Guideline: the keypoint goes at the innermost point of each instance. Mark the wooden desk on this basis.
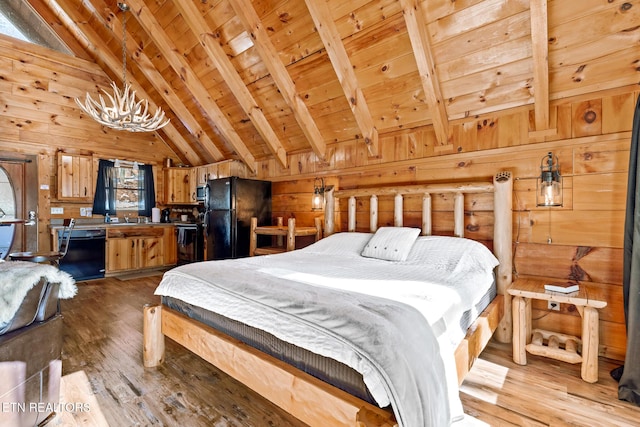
(587, 300)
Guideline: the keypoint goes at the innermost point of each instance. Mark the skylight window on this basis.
(19, 20)
(7, 27)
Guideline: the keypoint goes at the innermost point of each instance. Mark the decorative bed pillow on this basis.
(453, 254)
(344, 244)
(391, 243)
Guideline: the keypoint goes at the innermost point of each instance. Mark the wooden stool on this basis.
(290, 231)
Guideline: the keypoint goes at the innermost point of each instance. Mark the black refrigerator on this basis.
(230, 203)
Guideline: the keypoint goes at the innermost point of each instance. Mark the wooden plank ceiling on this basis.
(261, 79)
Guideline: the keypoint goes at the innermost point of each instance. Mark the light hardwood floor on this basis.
(103, 340)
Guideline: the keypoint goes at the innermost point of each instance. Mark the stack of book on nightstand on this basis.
(564, 288)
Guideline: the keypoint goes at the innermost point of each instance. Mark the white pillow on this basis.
(451, 254)
(391, 243)
(343, 244)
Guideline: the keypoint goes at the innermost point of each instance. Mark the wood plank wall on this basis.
(582, 240)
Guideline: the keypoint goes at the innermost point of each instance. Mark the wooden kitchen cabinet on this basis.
(223, 169)
(151, 252)
(139, 247)
(205, 173)
(120, 254)
(170, 246)
(227, 168)
(180, 186)
(75, 177)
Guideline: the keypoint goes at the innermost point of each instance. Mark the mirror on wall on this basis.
(7, 211)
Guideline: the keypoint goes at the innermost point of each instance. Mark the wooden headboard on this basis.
(502, 189)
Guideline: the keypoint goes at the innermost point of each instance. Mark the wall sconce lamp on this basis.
(549, 183)
(318, 200)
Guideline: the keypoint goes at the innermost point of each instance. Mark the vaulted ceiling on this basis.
(261, 79)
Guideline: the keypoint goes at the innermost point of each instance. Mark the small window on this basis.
(124, 189)
(129, 186)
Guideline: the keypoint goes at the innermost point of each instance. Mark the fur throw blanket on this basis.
(18, 277)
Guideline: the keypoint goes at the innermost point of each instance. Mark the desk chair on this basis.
(52, 257)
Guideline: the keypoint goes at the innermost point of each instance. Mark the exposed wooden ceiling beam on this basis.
(191, 80)
(330, 36)
(421, 44)
(165, 90)
(267, 51)
(540, 53)
(70, 17)
(211, 45)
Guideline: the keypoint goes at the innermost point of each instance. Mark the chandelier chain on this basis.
(124, 8)
(120, 110)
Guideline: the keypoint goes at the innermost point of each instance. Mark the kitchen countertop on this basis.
(12, 221)
(101, 225)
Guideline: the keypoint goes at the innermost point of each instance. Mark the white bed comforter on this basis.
(345, 304)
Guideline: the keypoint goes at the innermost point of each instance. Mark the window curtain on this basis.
(104, 199)
(629, 374)
(147, 193)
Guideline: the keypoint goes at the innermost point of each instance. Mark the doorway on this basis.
(19, 198)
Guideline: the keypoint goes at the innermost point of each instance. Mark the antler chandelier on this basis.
(123, 111)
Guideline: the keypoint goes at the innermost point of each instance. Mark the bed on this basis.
(358, 300)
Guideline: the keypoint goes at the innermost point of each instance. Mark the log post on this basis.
(352, 214)
(373, 213)
(458, 215)
(318, 224)
(291, 234)
(153, 338)
(253, 238)
(520, 337)
(426, 215)
(502, 246)
(279, 240)
(590, 341)
(397, 210)
(329, 213)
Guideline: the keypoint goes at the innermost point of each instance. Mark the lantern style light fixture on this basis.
(318, 200)
(123, 111)
(549, 183)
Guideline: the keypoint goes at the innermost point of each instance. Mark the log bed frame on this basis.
(305, 397)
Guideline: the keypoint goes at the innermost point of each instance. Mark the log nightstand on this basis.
(587, 300)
